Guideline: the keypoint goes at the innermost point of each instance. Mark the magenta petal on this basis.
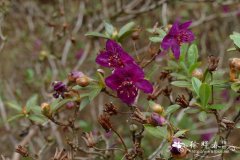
(176, 51)
(113, 46)
(125, 57)
(113, 81)
(102, 59)
(145, 86)
(167, 42)
(185, 25)
(174, 29)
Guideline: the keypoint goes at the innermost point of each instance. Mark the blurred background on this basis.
(43, 40)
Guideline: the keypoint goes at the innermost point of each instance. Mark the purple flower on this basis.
(59, 88)
(127, 81)
(178, 34)
(114, 56)
(157, 119)
(176, 146)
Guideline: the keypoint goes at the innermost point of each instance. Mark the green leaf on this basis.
(14, 106)
(126, 29)
(237, 125)
(171, 109)
(180, 133)
(183, 51)
(15, 117)
(184, 67)
(56, 105)
(216, 106)
(196, 84)
(150, 74)
(31, 102)
(202, 116)
(84, 102)
(184, 84)
(37, 118)
(109, 28)
(193, 67)
(151, 103)
(219, 83)
(204, 93)
(158, 132)
(86, 126)
(155, 39)
(97, 34)
(37, 110)
(192, 55)
(97, 89)
(231, 49)
(236, 38)
(179, 76)
(191, 111)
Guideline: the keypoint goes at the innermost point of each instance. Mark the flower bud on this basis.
(74, 75)
(212, 63)
(70, 105)
(45, 107)
(157, 108)
(197, 73)
(24, 110)
(135, 35)
(114, 34)
(83, 81)
(133, 127)
(157, 120)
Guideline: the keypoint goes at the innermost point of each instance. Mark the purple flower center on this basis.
(127, 87)
(181, 37)
(115, 61)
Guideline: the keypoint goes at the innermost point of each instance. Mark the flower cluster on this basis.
(127, 77)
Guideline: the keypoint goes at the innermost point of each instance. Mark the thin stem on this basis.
(152, 59)
(108, 93)
(123, 143)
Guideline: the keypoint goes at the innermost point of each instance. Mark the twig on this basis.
(31, 133)
(124, 145)
(78, 25)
